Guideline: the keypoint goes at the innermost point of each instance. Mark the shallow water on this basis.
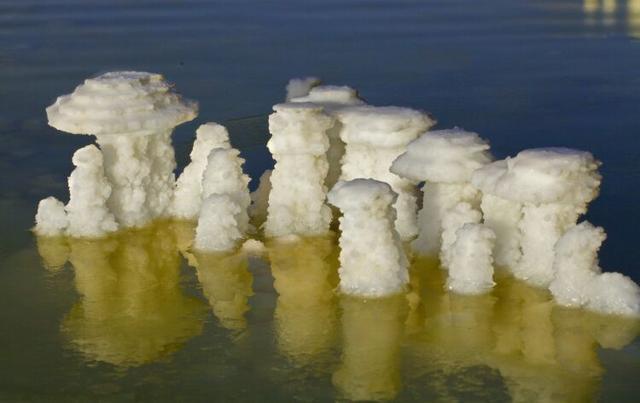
(137, 317)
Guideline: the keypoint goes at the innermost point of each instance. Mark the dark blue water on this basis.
(521, 73)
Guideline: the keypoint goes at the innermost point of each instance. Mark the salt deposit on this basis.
(552, 187)
(299, 87)
(578, 280)
(374, 137)
(453, 220)
(218, 224)
(188, 193)
(299, 143)
(132, 115)
(444, 160)
(51, 218)
(471, 263)
(372, 261)
(89, 191)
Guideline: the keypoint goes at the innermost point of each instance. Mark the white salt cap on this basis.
(614, 294)
(471, 267)
(121, 102)
(358, 193)
(299, 87)
(383, 126)
(331, 96)
(218, 224)
(209, 136)
(51, 218)
(445, 156)
(544, 175)
(299, 128)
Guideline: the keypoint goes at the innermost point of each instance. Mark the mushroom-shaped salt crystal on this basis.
(332, 98)
(188, 194)
(299, 144)
(444, 160)
(374, 137)
(372, 261)
(89, 191)
(530, 201)
(471, 265)
(579, 282)
(132, 115)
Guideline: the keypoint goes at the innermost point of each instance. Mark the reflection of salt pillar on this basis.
(374, 138)
(444, 160)
(132, 115)
(372, 261)
(371, 332)
(304, 275)
(299, 145)
(131, 310)
(188, 193)
(89, 191)
(227, 284)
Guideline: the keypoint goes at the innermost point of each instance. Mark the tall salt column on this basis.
(546, 191)
(372, 261)
(444, 160)
(299, 144)
(332, 98)
(132, 115)
(374, 138)
(188, 193)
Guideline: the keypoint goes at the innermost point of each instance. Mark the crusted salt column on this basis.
(299, 144)
(188, 193)
(471, 264)
(132, 115)
(51, 218)
(332, 98)
(372, 261)
(579, 282)
(89, 191)
(444, 160)
(374, 138)
(552, 187)
(453, 220)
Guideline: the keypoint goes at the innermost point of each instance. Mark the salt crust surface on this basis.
(471, 263)
(372, 261)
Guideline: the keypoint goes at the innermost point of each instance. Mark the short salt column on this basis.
(299, 143)
(89, 191)
(530, 201)
(51, 218)
(188, 193)
(444, 160)
(372, 260)
(374, 137)
(132, 115)
(453, 220)
(471, 264)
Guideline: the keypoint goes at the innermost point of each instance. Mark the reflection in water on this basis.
(305, 275)
(613, 12)
(131, 310)
(371, 336)
(54, 251)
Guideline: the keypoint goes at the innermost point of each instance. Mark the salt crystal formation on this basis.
(374, 137)
(471, 262)
(535, 198)
(578, 280)
(444, 160)
(132, 115)
(51, 218)
(454, 219)
(332, 99)
(372, 261)
(299, 87)
(223, 219)
(299, 144)
(188, 193)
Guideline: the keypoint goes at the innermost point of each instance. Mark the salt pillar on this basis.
(444, 160)
(372, 261)
(51, 218)
(188, 193)
(453, 220)
(471, 265)
(374, 138)
(89, 191)
(299, 144)
(546, 191)
(132, 115)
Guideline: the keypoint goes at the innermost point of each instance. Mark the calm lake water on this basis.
(138, 317)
